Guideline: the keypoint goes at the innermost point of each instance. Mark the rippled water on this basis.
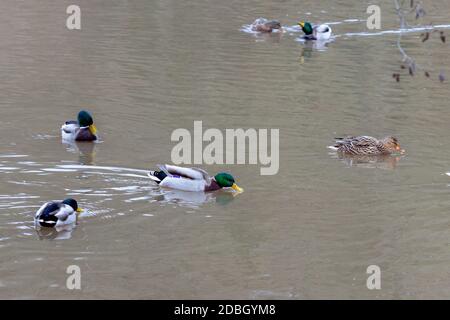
(146, 68)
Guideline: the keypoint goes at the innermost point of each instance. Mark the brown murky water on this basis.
(146, 68)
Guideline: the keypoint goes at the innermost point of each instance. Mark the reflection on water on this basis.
(195, 199)
(85, 150)
(146, 68)
(380, 162)
(310, 46)
(57, 233)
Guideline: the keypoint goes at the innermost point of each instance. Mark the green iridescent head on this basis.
(226, 180)
(73, 203)
(85, 119)
(306, 27)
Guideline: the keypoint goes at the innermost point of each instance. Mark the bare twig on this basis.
(403, 10)
(401, 13)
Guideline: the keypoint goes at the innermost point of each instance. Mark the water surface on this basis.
(146, 68)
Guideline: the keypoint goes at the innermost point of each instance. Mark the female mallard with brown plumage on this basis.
(365, 145)
(264, 25)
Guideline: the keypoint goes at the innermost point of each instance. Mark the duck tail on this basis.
(339, 141)
(157, 176)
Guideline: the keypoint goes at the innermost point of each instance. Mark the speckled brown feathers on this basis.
(267, 26)
(365, 145)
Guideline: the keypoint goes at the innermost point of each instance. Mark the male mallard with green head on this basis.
(365, 145)
(81, 130)
(57, 213)
(192, 179)
(319, 32)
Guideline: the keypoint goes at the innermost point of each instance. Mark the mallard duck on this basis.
(319, 32)
(365, 145)
(192, 179)
(81, 130)
(57, 213)
(264, 25)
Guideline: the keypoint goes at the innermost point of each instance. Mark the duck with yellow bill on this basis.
(319, 32)
(81, 130)
(192, 179)
(57, 213)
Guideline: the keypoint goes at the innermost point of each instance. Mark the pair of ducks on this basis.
(318, 32)
(60, 213)
(186, 179)
(57, 214)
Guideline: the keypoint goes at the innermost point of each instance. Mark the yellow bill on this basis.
(79, 210)
(237, 188)
(301, 24)
(93, 129)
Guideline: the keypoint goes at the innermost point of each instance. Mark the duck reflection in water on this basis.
(196, 199)
(387, 162)
(85, 151)
(274, 37)
(57, 233)
(310, 46)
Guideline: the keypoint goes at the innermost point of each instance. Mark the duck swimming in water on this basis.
(365, 145)
(81, 130)
(319, 32)
(192, 179)
(57, 213)
(264, 25)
